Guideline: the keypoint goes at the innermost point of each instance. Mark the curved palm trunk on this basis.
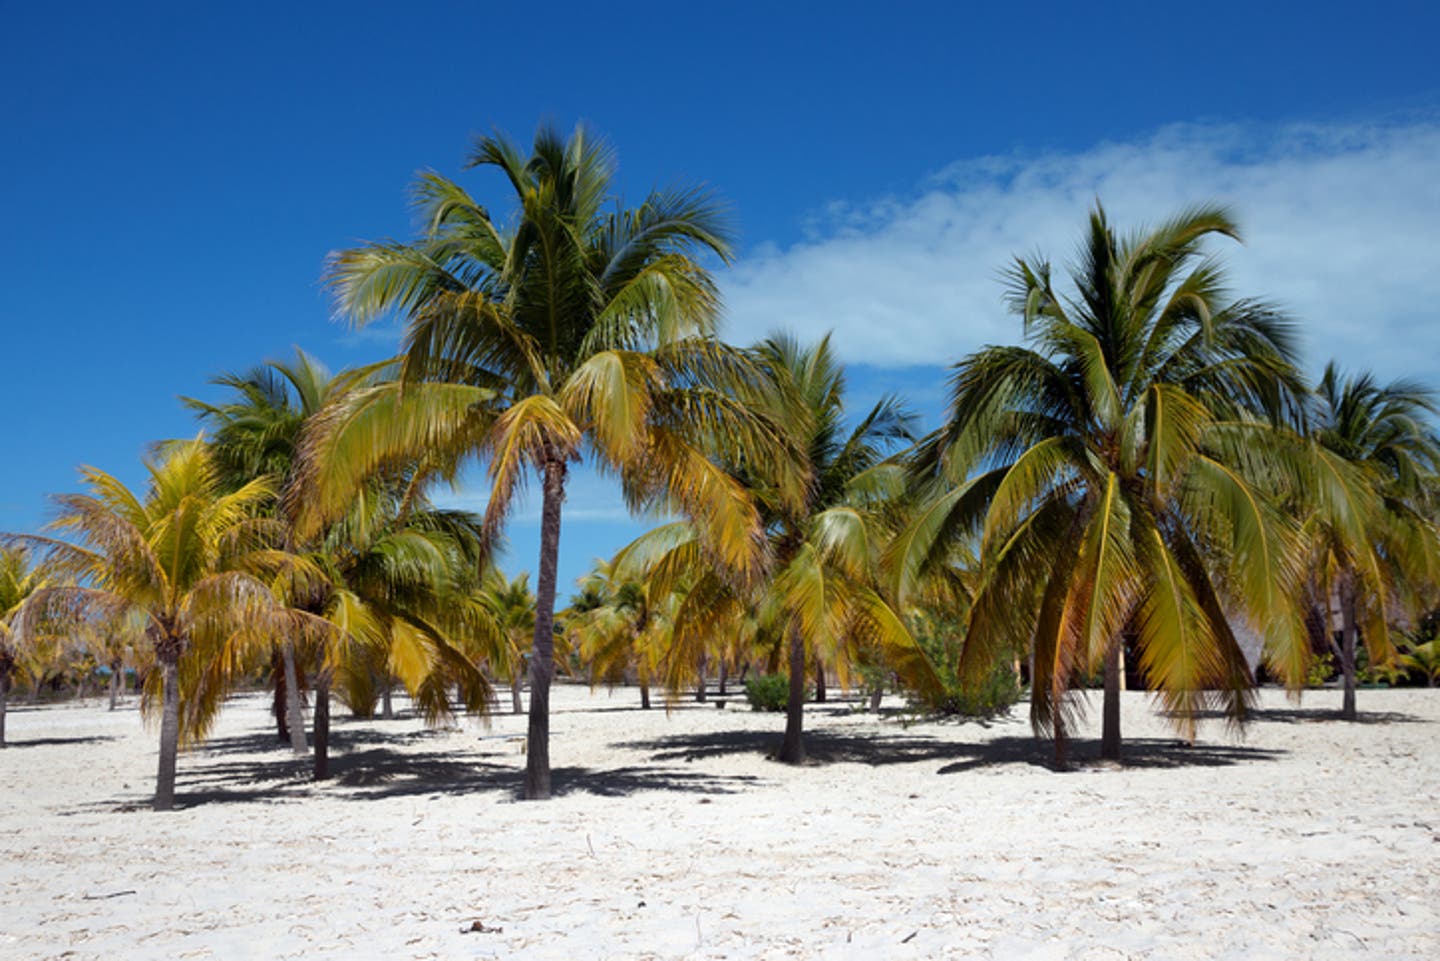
(793, 750)
(169, 732)
(295, 720)
(1114, 676)
(542, 659)
(322, 725)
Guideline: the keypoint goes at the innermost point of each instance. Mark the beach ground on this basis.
(674, 836)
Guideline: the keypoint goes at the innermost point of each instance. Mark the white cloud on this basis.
(1341, 225)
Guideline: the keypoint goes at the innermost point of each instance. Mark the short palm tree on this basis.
(174, 556)
(1369, 473)
(20, 577)
(1102, 473)
(256, 433)
(578, 330)
(621, 626)
(823, 594)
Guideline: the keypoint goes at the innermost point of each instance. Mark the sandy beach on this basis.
(674, 837)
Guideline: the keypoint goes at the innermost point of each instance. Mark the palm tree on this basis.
(19, 578)
(256, 433)
(173, 556)
(1102, 473)
(577, 331)
(823, 597)
(618, 625)
(1370, 470)
(512, 605)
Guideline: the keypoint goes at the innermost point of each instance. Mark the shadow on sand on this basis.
(880, 749)
(57, 741)
(1314, 715)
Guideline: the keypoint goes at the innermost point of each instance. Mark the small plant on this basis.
(994, 696)
(768, 692)
(1321, 669)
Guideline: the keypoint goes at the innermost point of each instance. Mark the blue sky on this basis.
(173, 176)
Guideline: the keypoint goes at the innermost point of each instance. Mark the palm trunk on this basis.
(724, 676)
(169, 731)
(820, 695)
(700, 685)
(793, 750)
(542, 659)
(1114, 674)
(387, 707)
(294, 718)
(115, 678)
(322, 726)
(877, 694)
(516, 704)
(4, 700)
(1350, 632)
(644, 673)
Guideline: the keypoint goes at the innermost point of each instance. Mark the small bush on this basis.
(768, 692)
(1321, 669)
(994, 696)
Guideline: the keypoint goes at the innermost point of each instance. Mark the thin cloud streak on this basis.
(1339, 222)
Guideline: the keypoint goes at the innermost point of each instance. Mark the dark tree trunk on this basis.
(542, 658)
(4, 699)
(387, 707)
(724, 676)
(820, 695)
(793, 750)
(169, 731)
(1350, 635)
(277, 701)
(294, 718)
(877, 694)
(322, 726)
(644, 673)
(1110, 710)
(700, 684)
(516, 703)
(115, 680)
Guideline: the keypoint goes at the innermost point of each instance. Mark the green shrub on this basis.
(1321, 669)
(768, 692)
(995, 695)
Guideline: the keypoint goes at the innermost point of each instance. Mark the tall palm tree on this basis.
(173, 556)
(1370, 472)
(823, 596)
(579, 330)
(20, 577)
(1102, 469)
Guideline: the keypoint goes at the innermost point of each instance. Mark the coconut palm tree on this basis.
(174, 556)
(255, 433)
(823, 596)
(578, 331)
(618, 626)
(1104, 468)
(1369, 472)
(20, 577)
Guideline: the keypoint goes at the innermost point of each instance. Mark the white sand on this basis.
(675, 838)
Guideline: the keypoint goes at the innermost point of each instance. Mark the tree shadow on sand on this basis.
(57, 741)
(877, 750)
(373, 771)
(1306, 715)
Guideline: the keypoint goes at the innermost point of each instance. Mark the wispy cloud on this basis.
(1341, 225)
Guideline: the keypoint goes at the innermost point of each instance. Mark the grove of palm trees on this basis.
(1143, 510)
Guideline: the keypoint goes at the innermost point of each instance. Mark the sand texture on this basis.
(675, 837)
